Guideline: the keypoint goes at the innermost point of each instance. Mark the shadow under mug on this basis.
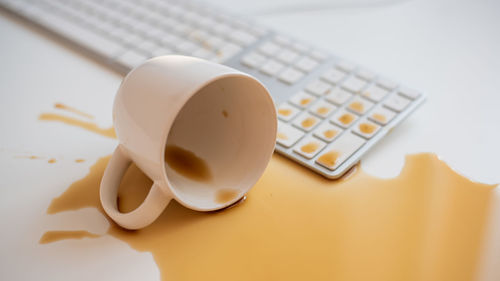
(186, 109)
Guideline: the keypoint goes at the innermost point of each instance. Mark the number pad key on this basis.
(288, 135)
(309, 146)
(338, 151)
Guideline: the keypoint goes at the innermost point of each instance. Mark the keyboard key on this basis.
(365, 74)
(382, 115)
(227, 51)
(366, 129)
(161, 51)
(300, 47)
(309, 146)
(340, 150)
(319, 55)
(286, 112)
(338, 96)
(327, 131)
(272, 67)
(288, 135)
(318, 87)
(242, 38)
(203, 54)
(306, 64)
(253, 60)
(343, 118)
(306, 121)
(282, 40)
(269, 48)
(375, 93)
(397, 103)
(386, 83)
(291, 75)
(333, 75)
(186, 47)
(287, 56)
(132, 59)
(354, 84)
(322, 109)
(345, 66)
(359, 105)
(409, 93)
(213, 42)
(302, 99)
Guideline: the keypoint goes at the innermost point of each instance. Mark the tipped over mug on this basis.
(202, 132)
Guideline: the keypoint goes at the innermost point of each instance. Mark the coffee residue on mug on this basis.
(225, 195)
(187, 164)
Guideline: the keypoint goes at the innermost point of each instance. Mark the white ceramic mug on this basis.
(224, 117)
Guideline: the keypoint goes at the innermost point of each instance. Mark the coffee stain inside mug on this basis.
(187, 164)
(427, 223)
(226, 195)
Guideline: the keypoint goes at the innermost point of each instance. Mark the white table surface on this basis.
(449, 49)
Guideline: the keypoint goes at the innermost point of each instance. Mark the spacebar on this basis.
(81, 36)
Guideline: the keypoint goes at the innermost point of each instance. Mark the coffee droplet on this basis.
(356, 106)
(282, 136)
(52, 161)
(187, 164)
(346, 119)
(284, 112)
(225, 195)
(310, 147)
(323, 110)
(225, 114)
(330, 134)
(379, 117)
(367, 128)
(308, 122)
(329, 159)
(305, 101)
(80, 160)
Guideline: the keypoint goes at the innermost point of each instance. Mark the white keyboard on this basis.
(331, 111)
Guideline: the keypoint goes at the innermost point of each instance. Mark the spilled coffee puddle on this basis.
(427, 223)
(87, 125)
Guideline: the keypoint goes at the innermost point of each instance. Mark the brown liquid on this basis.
(367, 128)
(308, 122)
(225, 114)
(74, 110)
(284, 112)
(357, 106)
(52, 161)
(305, 101)
(427, 223)
(323, 110)
(80, 160)
(329, 158)
(187, 164)
(346, 118)
(53, 236)
(310, 147)
(282, 136)
(379, 117)
(89, 126)
(225, 195)
(330, 133)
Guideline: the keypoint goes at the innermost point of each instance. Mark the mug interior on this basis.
(220, 142)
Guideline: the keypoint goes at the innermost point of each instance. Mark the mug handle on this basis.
(142, 216)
